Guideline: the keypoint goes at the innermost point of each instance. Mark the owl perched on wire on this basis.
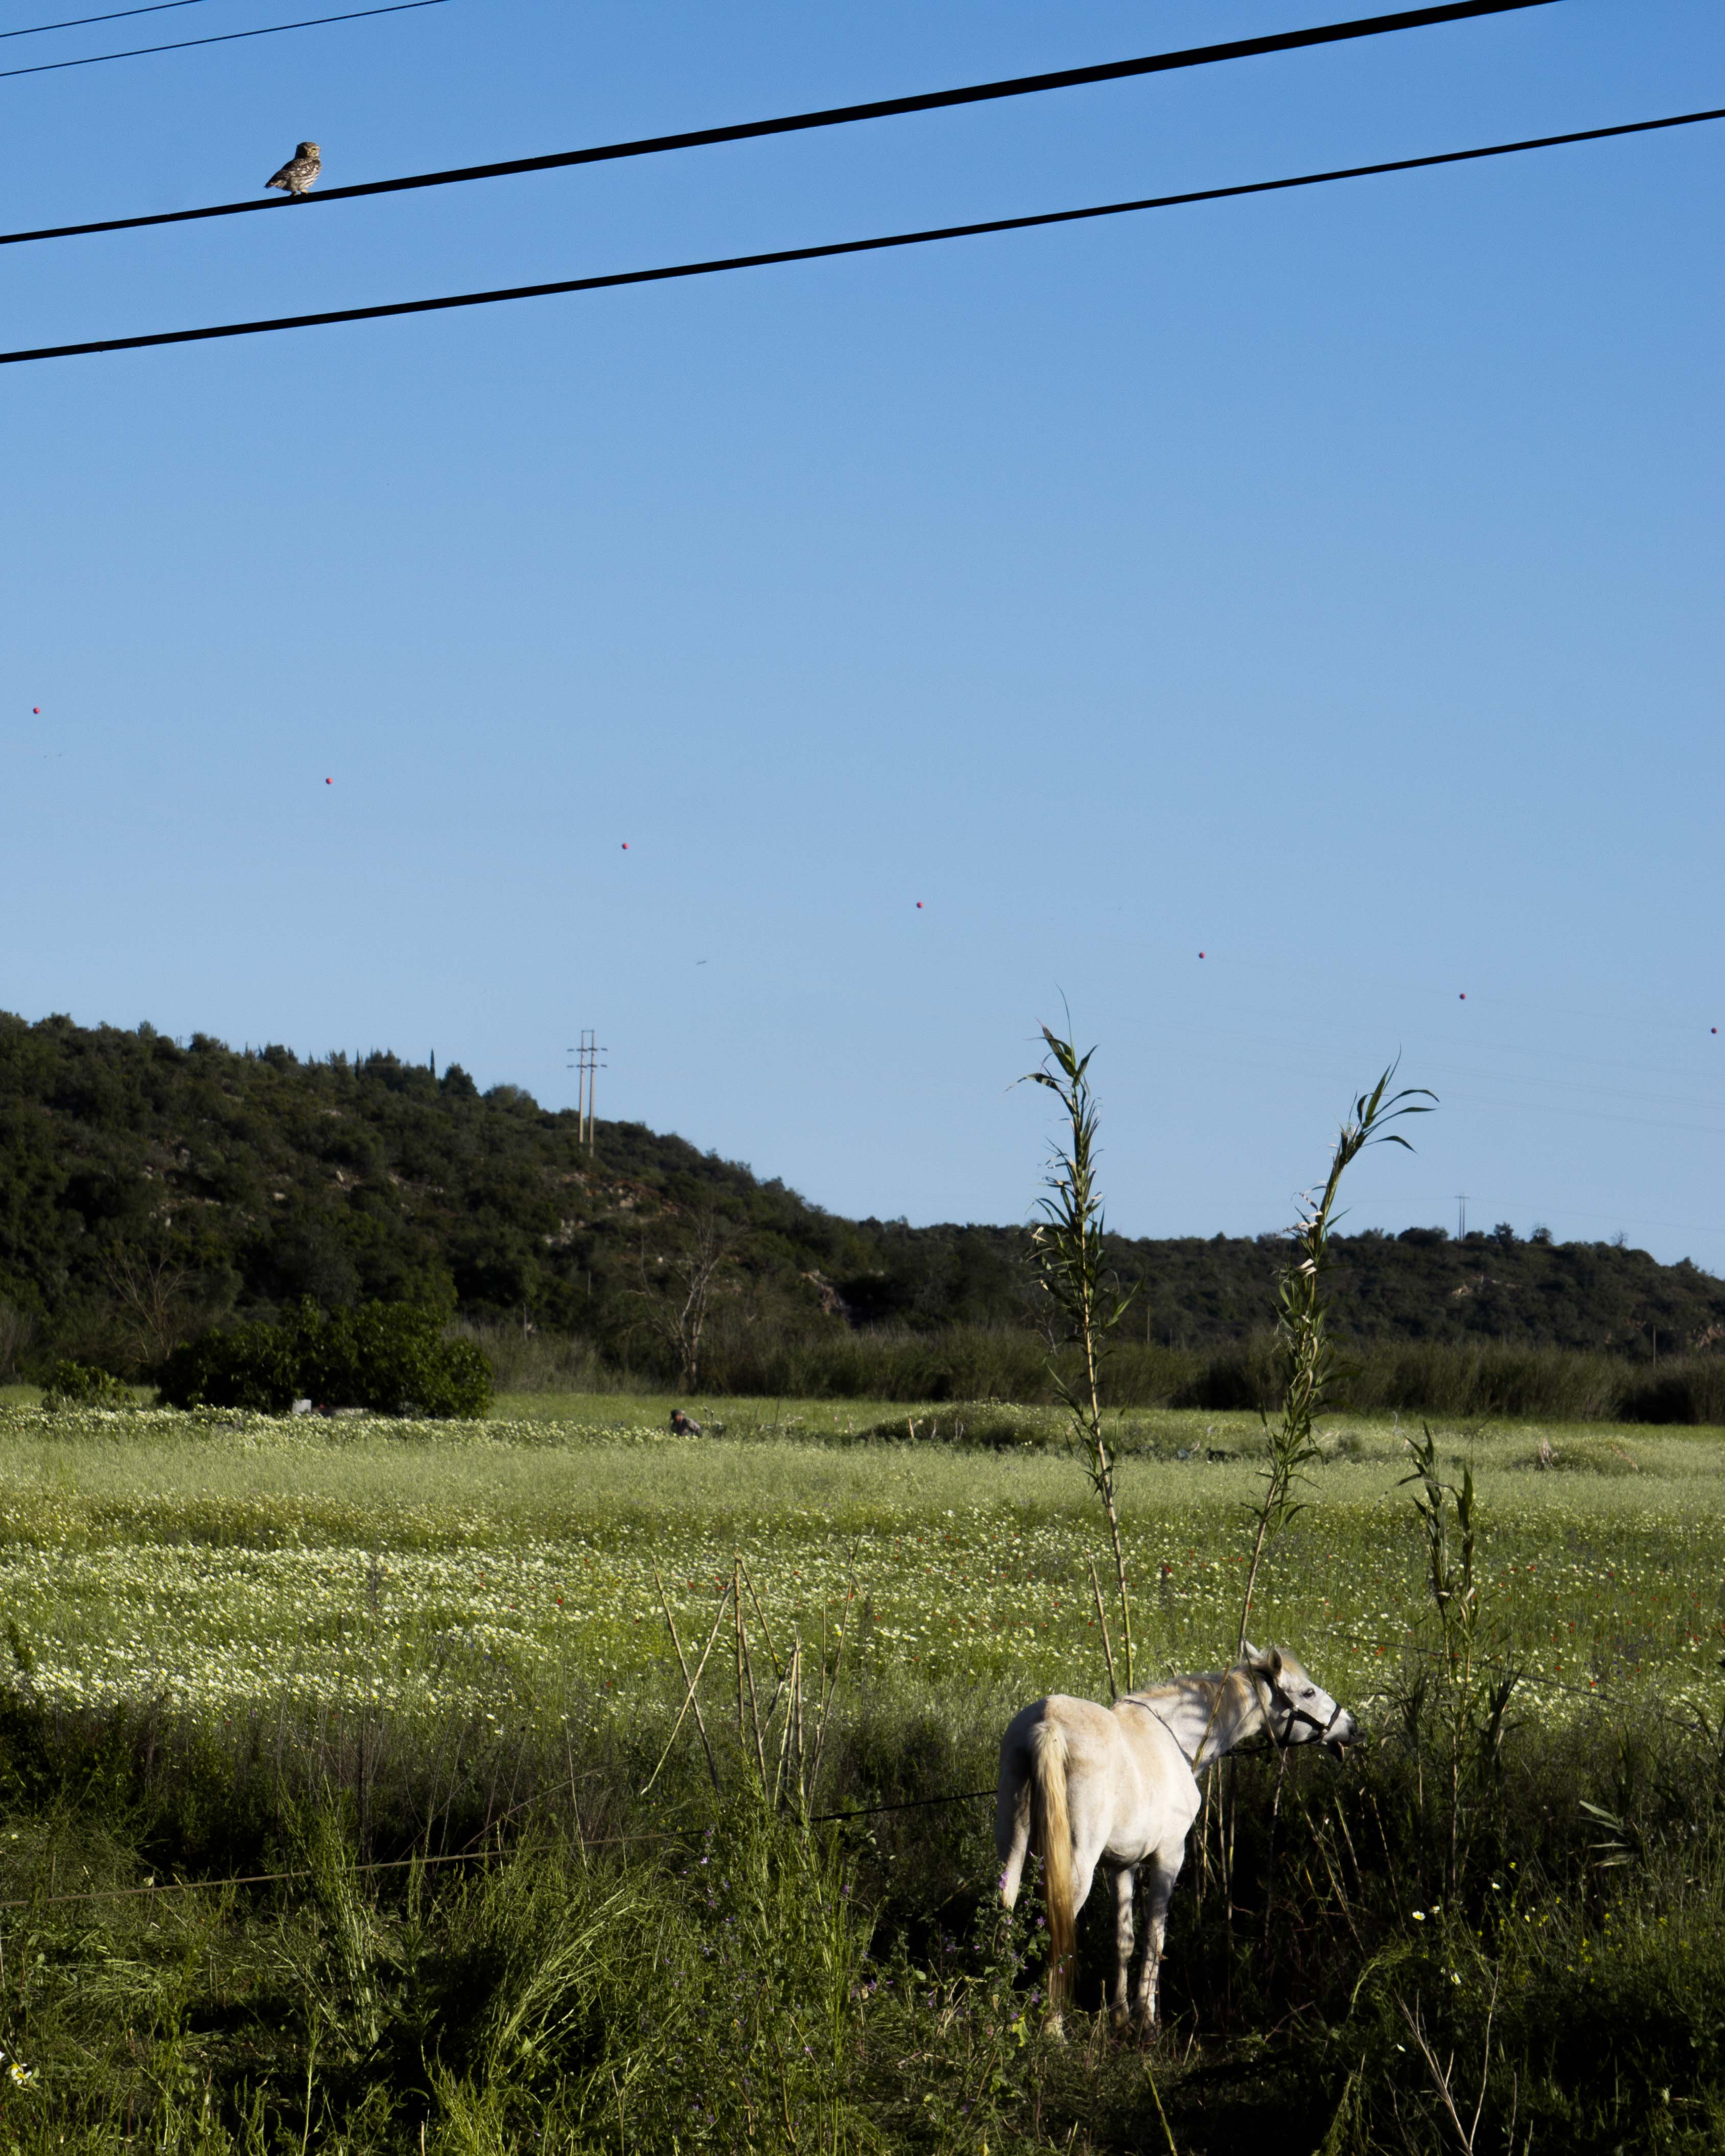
(299, 173)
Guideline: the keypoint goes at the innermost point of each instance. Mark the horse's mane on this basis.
(1178, 1687)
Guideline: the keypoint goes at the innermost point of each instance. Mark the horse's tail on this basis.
(1053, 1826)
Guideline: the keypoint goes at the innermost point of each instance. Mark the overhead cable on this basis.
(838, 116)
(227, 38)
(847, 246)
(78, 22)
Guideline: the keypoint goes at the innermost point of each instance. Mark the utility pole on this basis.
(1461, 1217)
(587, 1062)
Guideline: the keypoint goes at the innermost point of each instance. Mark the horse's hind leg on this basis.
(1161, 1871)
(1126, 1879)
(1012, 1829)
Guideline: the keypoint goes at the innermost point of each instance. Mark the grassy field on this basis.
(235, 1644)
(221, 1564)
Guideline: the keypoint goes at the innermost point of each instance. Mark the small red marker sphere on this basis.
(35, 711)
(625, 845)
(1464, 995)
(329, 782)
(1200, 954)
(919, 906)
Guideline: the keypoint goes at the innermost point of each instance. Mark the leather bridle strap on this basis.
(1297, 1713)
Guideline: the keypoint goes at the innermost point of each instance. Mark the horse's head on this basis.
(1295, 1709)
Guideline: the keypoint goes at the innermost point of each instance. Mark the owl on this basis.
(299, 173)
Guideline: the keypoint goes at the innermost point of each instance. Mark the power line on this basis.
(78, 22)
(676, 269)
(232, 37)
(838, 116)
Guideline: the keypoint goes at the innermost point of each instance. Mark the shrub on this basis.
(251, 1366)
(389, 1357)
(81, 1385)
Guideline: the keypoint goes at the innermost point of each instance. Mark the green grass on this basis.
(735, 1417)
(233, 1645)
(223, 1562)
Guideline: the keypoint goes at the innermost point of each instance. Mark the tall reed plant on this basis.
(1455, 1682)
(1088, 1303)
(1310, 1365)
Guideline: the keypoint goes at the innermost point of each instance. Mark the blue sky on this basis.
(1329, 583)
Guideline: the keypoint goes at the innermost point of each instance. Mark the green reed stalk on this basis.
(1312, 1369)
(1472, 1692)
(1073, 1272)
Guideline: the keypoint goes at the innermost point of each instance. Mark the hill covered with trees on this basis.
(151, 1190)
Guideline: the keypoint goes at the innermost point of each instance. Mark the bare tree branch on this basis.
(676, 1291)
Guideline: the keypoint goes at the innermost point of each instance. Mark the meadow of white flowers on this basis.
(217, 1564)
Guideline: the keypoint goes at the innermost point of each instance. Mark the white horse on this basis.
(1116, 1786)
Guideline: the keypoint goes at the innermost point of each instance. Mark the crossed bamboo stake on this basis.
(798, 1748)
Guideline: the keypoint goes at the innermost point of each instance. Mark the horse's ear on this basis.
(1265, 1661)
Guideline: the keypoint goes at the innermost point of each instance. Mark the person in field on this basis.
(684, 1425)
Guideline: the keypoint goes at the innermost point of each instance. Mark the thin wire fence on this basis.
(1594, 1690)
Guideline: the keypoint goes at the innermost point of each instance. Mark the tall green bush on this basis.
(78, 1385)
(388, 1358)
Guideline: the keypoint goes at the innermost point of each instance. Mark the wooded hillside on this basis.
(148, 1190)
